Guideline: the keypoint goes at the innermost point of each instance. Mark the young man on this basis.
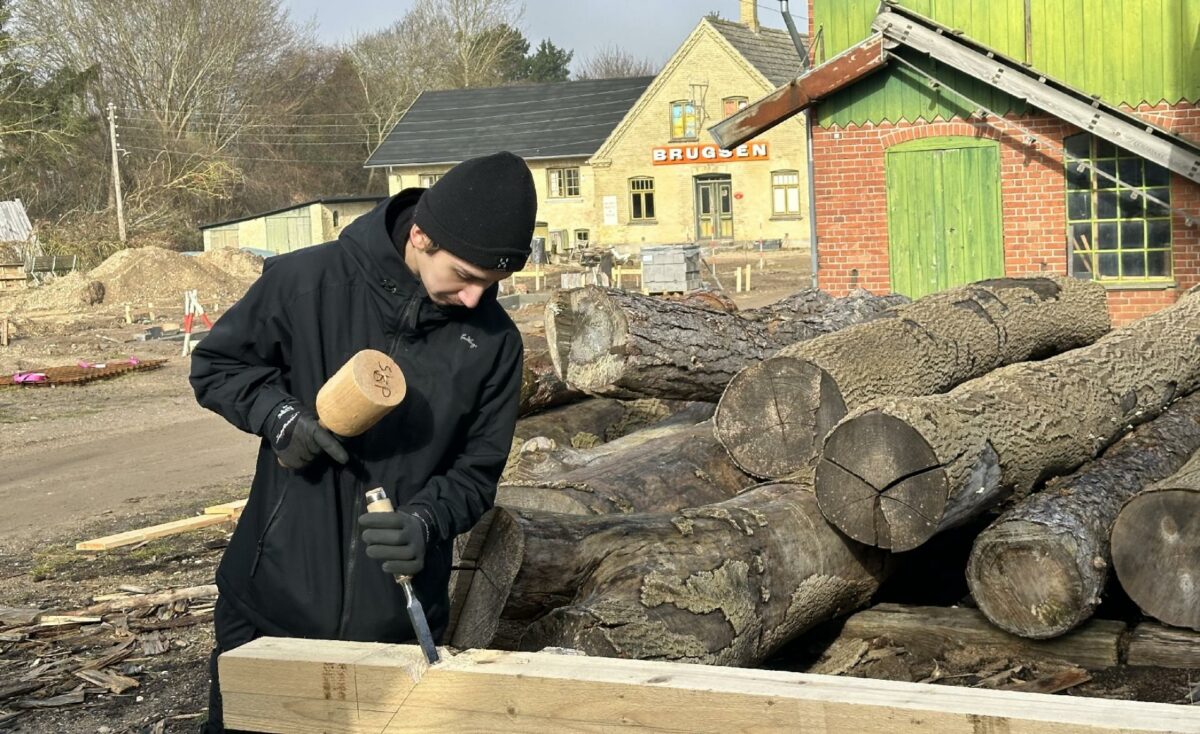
(415, 278)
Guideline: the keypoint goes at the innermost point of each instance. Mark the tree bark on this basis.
(536, 464)
(898, 470)
(1039, 570)
(1163, 647)
(541, 387)
(661, 471)
(724, 584)
(1156, 548)
(774, 415)
(624, 345)
(936, 632)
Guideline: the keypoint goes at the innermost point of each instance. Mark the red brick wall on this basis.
(849, 184)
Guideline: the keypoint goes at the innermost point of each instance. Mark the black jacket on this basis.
(296, 565)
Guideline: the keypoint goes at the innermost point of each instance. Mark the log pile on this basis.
(624, 345)
(877, 426)
(898, 470)
(774, 416)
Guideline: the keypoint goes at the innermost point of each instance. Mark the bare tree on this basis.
(191, 80)
(438, 44)
(611, 62)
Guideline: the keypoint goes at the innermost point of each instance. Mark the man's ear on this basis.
(418, 238)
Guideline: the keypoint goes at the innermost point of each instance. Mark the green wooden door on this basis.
(944, 221)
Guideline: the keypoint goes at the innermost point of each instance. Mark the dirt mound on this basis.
(148, 275)
(62, 293)
(238, 263)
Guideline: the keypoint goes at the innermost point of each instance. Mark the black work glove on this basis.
(396, 538)
(298, 438)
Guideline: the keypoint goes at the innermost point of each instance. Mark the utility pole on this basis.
(116, 171)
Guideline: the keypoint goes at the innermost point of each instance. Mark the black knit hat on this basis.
(482, 210)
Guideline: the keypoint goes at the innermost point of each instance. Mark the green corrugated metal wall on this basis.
(944, 220)
(1127, 51)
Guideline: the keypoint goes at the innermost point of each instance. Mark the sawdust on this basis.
(148, 275)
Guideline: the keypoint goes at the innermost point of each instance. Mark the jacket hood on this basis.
(368, 241)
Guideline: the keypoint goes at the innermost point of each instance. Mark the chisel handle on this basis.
(378, 501)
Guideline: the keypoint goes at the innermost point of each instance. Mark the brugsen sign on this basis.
(668, 155)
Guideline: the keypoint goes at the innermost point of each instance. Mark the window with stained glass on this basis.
(684, 124)
(1116, 232)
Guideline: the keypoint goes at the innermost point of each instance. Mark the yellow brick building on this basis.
(627, 162)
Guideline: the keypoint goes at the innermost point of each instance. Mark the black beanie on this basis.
(482, 210)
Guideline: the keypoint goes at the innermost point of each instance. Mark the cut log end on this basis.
(1156, 554)
(587, 335)
(495, 572)
(1025, 579)
(880, 482)
(774, 416)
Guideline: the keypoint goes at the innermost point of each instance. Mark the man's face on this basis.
(450, 280)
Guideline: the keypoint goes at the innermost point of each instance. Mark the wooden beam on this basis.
(133, 537)
(934, 631)
(1164, 647)
(296, 685)
(842, 70)
(226, 508)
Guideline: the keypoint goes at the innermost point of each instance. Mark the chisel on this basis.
(377, 501)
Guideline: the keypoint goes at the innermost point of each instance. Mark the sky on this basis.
(644, 28)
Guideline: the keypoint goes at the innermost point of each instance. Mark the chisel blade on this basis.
(420, 625)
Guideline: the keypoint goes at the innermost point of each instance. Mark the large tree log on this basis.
(625, 345)
(1156, 548)
(774, 415)
(898, 470)
(535, 463)
(660, 471)
(724, 584)
(1039, 570)
(936, 632)
(541, 387)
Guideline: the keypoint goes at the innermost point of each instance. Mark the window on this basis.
(581, 237)
(733, 104)
(785, 193)
(684, 124)
(335, 218)
(1116, 232)
(425, 180)
(563, 182)
(641, 198)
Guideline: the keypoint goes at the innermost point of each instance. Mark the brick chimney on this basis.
(748, 14)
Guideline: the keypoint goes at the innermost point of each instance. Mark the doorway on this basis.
(714, 207)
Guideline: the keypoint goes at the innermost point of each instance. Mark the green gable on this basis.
(1127, 51)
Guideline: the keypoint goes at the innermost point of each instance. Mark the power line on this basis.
(489, 106)
(283, 138)
(200, 154)
(203, 126)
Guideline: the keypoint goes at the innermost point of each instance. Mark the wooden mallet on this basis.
(360, 393)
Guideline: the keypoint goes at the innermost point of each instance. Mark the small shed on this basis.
(289, 228)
